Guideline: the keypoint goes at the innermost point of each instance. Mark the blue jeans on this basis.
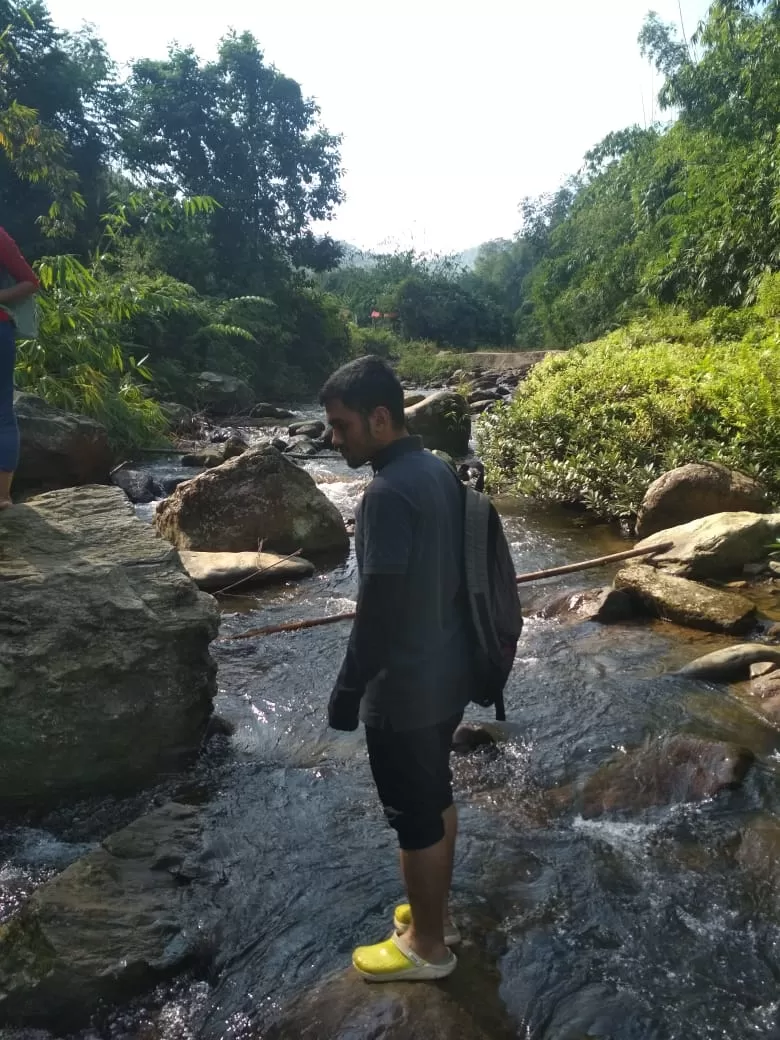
(9, 431)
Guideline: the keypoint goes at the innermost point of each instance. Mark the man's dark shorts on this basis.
(412, 774)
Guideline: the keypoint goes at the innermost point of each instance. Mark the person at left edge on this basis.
(26, 284)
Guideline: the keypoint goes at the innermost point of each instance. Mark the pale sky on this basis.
(451, 113)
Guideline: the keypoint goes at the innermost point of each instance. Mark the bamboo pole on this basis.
(522, 579)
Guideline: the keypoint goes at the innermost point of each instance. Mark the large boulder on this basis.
(715, 546)
(59, 449)
(443, 421)
(686, 602)
(258, 498)
(218, 571)
(106, 681)
(224, 395)
(110, 926)
(666, 771)
(696, 490)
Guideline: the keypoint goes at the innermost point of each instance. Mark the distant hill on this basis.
(468, 257)
(354, 257)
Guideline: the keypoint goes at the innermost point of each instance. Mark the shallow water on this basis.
(628, 927)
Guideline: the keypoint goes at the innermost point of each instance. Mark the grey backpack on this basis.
(494, 603)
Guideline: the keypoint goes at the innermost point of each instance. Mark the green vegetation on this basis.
(662, 250)
(595, 426)
(661, 253)
(210, 265)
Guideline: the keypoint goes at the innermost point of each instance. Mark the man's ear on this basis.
(381, 419)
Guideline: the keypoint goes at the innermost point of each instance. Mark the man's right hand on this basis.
(343, 709)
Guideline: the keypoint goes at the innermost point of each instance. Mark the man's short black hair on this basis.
(365, 384)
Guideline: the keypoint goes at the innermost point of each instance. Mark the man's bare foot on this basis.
(5, 503)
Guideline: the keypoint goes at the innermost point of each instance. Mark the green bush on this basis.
(597, 425)
(422, 363)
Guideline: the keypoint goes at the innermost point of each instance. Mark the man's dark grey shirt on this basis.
(410, 522)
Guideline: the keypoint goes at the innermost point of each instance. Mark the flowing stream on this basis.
(635, 926)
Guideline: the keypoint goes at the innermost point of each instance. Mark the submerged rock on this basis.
(443, 421)
(214, 571)
(258, 498)
(716, 546)
(110, 926)
(137, 485)
(685, 602)
(696, 490)
(222, 394)
(730, 664)
(312, 429)
(666, 771)
(606, 606)
(466, 1006)
(106, 680)
(59, 449)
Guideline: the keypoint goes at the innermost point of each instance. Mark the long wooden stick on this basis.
(585, 565)
(522, 579)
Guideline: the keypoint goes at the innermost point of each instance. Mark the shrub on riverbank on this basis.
(416, 360)
(595, 426)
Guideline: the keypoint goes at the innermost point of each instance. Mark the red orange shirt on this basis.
(15, 264)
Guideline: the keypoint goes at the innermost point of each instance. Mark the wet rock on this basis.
(167, 485)
(730, 664)
(234, 446)
(685, 602)
(212, 571)
(137, 485)
(480, 407)
(759, 855)
(208, 458)
(486, 394)
(667, 771)
(222, 394)
(465, 1006)
(259, 498)
(607, 606)
(715, 546)
(59, 449)
(412, 399)
(766, 687)
(109, 927)
(176, 414)
(279, 444)
(313, 430)
(219, 727)
(442, 420)
(470, 736)
(106, 681)
(302, 445)
(696, 490)
(264, 410)
(763, 668)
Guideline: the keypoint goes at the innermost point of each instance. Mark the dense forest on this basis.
(170, 214)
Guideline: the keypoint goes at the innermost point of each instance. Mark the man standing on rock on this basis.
(407, 670)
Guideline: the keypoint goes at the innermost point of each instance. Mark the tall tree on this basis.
(58, 100)
(238, 130)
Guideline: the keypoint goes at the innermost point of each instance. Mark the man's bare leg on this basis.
(426, 873)
(5, 489)
(450, 817)
(427, 876)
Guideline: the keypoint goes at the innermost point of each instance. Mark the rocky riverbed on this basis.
(616, 877)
